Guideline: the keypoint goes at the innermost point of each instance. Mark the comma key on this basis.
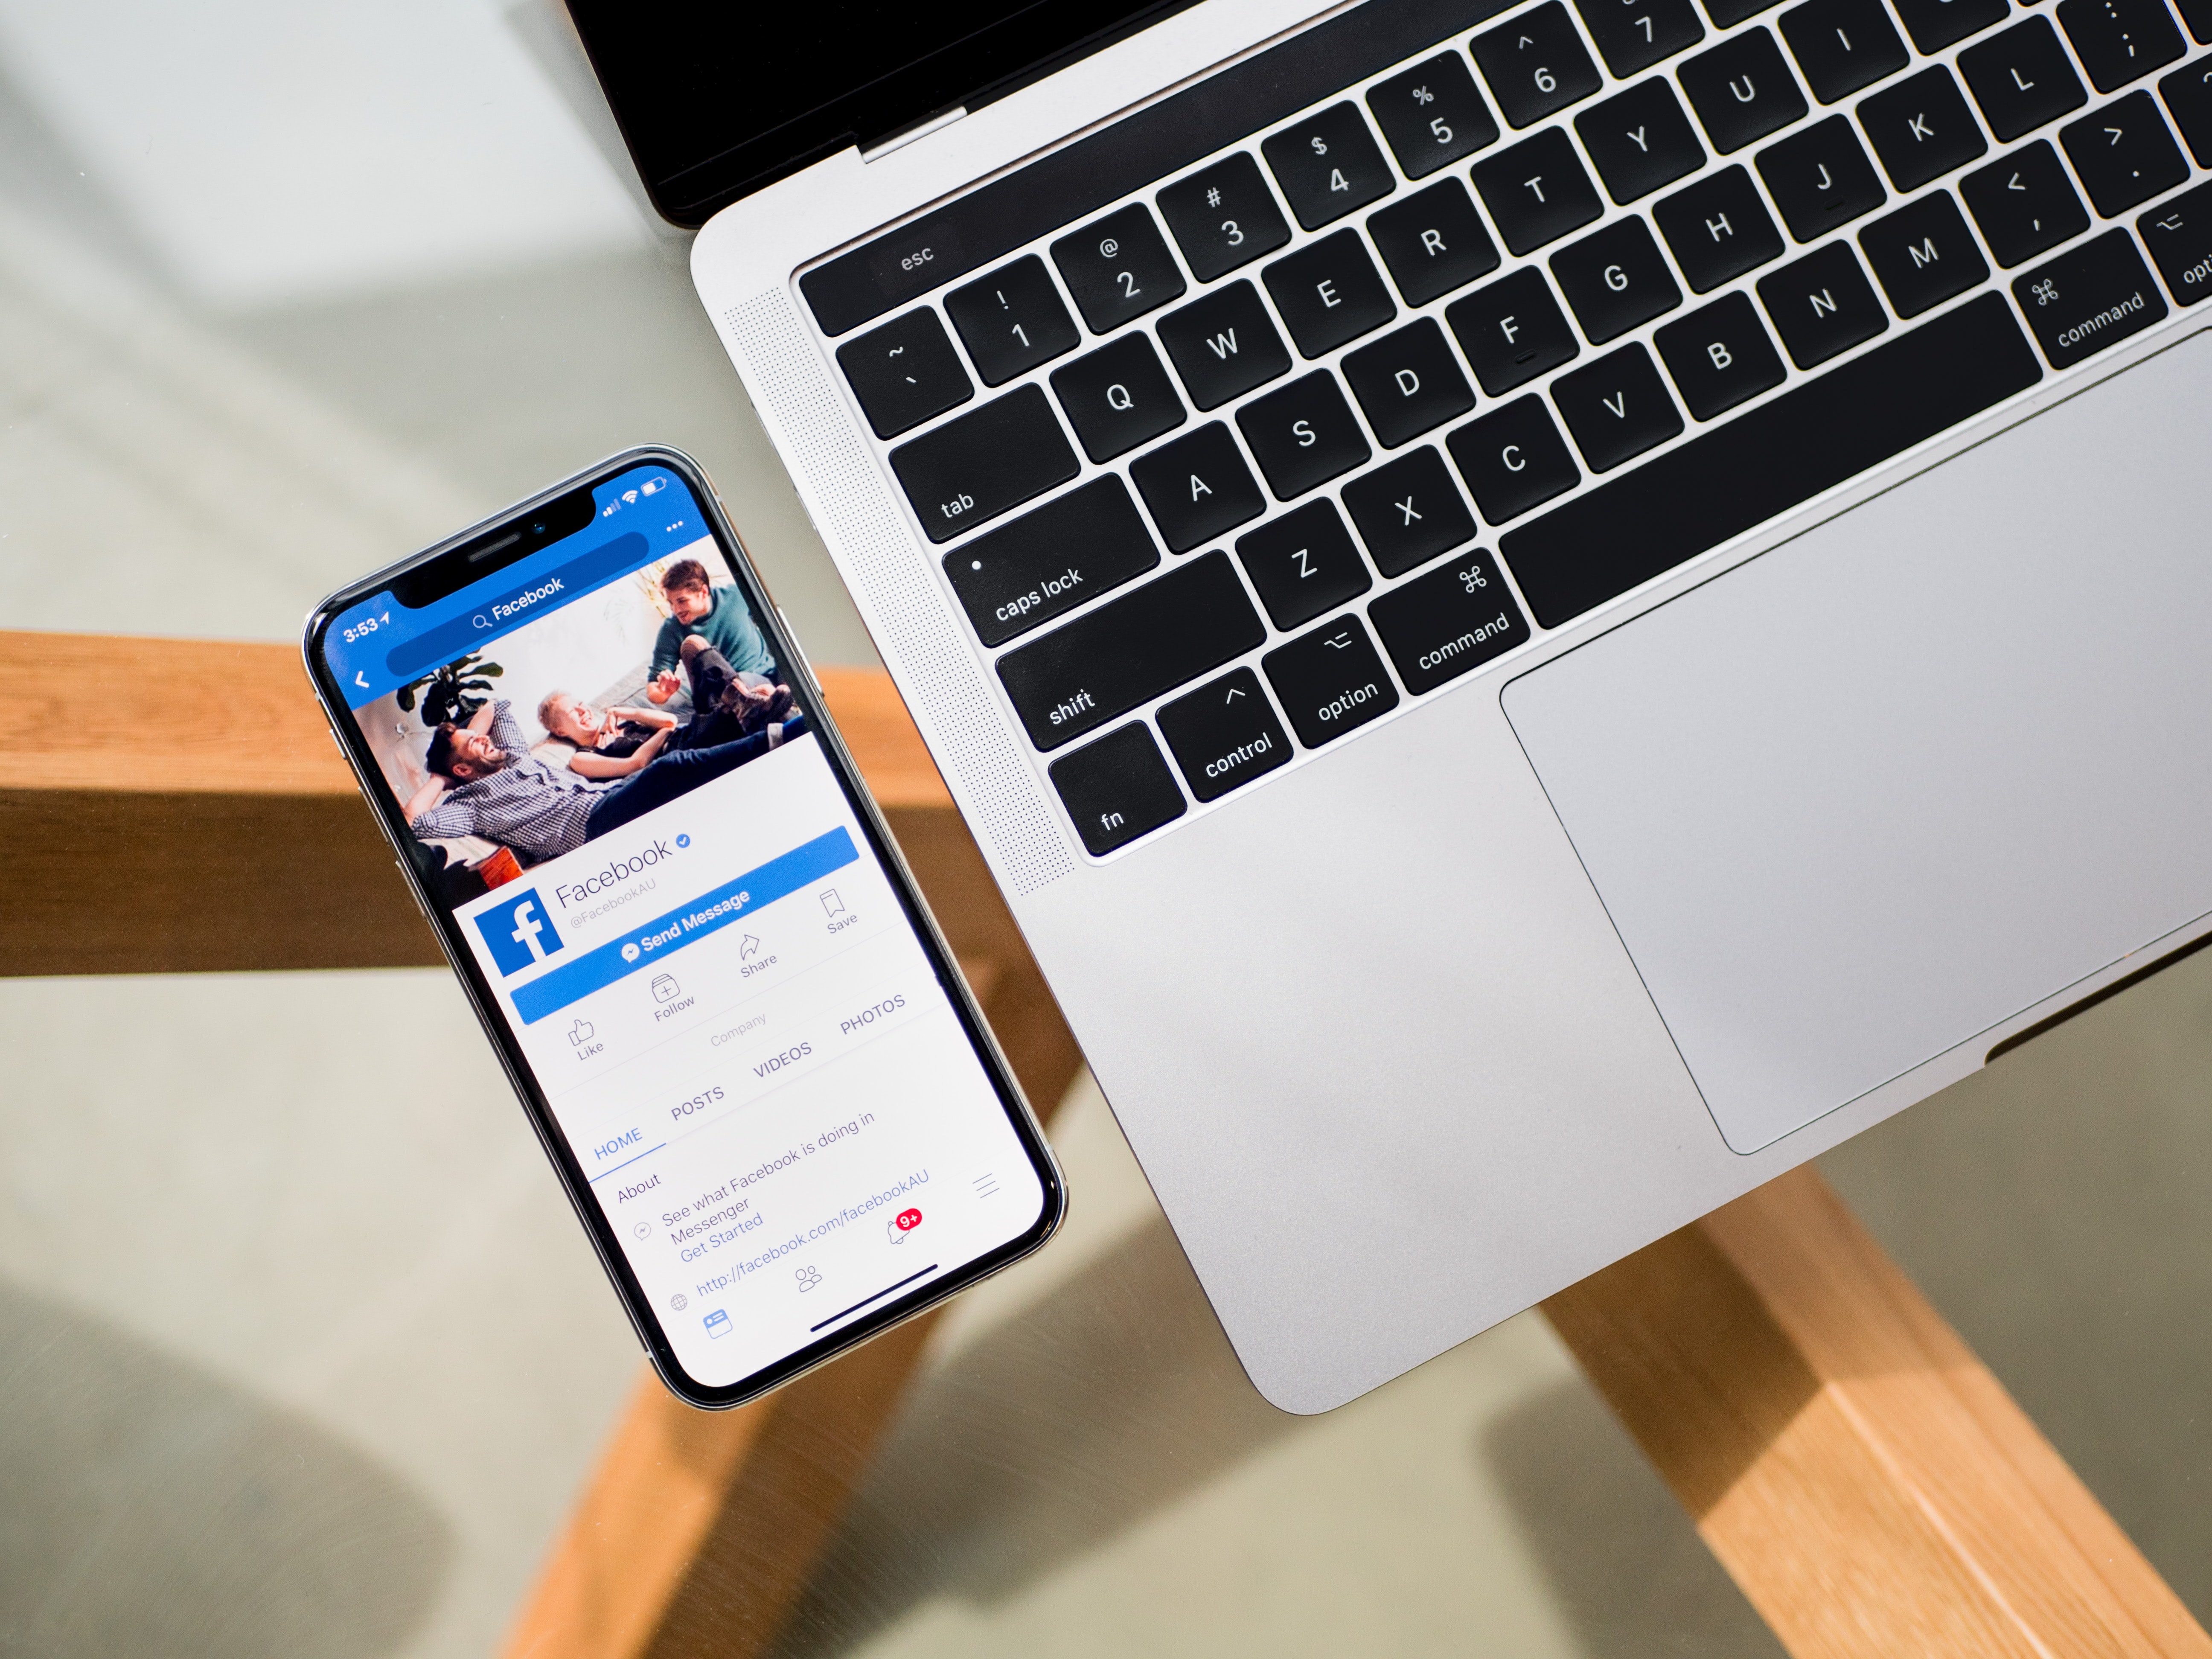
(972, 469)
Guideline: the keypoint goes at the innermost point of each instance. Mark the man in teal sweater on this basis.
(717, 615)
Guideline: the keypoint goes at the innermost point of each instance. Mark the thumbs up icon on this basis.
(581, 1032)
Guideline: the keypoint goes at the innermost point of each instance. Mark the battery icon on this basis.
(652, 485)
(718, 1323)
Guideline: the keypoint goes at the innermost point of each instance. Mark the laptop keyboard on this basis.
(1332, 416)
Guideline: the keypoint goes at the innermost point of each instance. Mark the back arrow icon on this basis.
(360, 679)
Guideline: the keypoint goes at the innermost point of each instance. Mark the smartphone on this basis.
(617, 797)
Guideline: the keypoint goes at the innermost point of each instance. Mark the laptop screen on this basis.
(717, 101)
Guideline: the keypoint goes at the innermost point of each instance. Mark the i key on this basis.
(1843, 46)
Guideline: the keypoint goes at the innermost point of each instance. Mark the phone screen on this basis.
(680, 922)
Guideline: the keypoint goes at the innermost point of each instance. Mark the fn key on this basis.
(1117, 789)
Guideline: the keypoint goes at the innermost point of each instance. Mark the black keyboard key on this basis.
(1448, 622)
(1408, 383)
(2188, 95)
(1224, 216)
(1936, 24)
(2024, 204)
(1302, 434)
(1720, 357)
(1726, 14)
(1224, 345)
(2022, 78)
(1615, 279)
(2090, 299)
(1197, 487)
(1741, 90)
(1536, 191)
(1535, 65)
(1640, 140)
(1433, 241)
(2180, 236)
(974, 467)
(1331, 682)
(2123, 153)
(1130, 650)
(1742, 473)
(1843, 46)
(1303, 563)
(1512, 332)
(1632, 35)
(1330, 293)
(1822, 305)
(1923, 254)
(1068, 552)
(2120, 40)
(1328, 165)
(904, 372)
(2197, 14)
(1117, 789)
(1820, 178)
(1718, 228)
(1617, 407)
(1921, 129)
(1117, 397)
(1224, 735)
(1513, 458)
(1432, 114)
(1118, 268)
(1012, 320)
(1409, 512)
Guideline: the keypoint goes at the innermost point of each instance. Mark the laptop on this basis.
(1542, 609)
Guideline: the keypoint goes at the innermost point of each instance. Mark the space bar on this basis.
(1769, 459)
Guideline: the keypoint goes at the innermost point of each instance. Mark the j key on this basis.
(1117, 789)
(1923, 254)
(1302, 435)
(904, 372)
(1640, 140)
(1449, 621)
(1117, 268)
(1067, 553)
(1129, 650)
(1224, 735)
(1617, 407)
(1726, 14)
(1432, 114)
(1820, 178)
(1615, 280)
(1197, 486)
(1330, 293)
(1408, 383)
(1720, 357)
(1328, 165)
(1921, 129)
(1632, 35)
(1330, 682)
(2024, 204)
(1433, 241)
(1843, 46)
(2180, 236)
(1718, 228)
(1012, 320)
(2188, 93)
(1741, 90)
(2022, 78)
(2084, 301)
(1224, 216)
(1535, 65)
(972, 469)
(1936, 24)
(1117, 397)
(1513, 459)
(1224, 345)
(1512, 331)
(1303, 563)
(1821, 305)
(2120, 40)
(1536, 191)
(2123, 153)
(1409, 512)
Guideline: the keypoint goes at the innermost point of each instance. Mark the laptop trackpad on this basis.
(1860, 799)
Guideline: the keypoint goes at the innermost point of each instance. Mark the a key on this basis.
(1741, 90)
(1720, 357)
(1513, 459)
(2123, 153)
(1223, 345)
(1718, 228)
(1408, 383)
(1616, 279)
(2089, 300)
(2024, 204)
(1640, 140)
(1224, 735)
(2120, 40)
(1117, 397)
(1535, 65)
(1117, 789)
(2188, 93)
(1129, 650)
(1431, 114)
(1820, 178)
(1408, 511)
(1330, 682)
(1118, 268)
(1066, 553)
(904, 372)
(1303, 563)
(1328, 165)
(1936, 24)
(1223, 216)
(1843, 46)
(982, 463)
(1726, 14)
(1632, 35)
(1920, 128)
(1536, 191)
(1923, 254)
(1821, 305)
(1012, 320)
(1617, 407)
(1448, 622)
(1512, 332)
(1197, 486)
(2180, 236)
(2022, 79)
(1330, 293)
(1302, 434)
(1433, 241)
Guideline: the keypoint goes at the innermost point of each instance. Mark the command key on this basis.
(2092, 298)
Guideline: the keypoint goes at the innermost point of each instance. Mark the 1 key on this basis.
(1012, 320)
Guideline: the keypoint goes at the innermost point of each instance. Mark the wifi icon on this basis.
(630, 495)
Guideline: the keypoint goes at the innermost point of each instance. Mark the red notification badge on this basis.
(909, 1220)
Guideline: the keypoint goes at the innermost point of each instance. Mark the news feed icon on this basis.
(519, 932)
(718, 1323)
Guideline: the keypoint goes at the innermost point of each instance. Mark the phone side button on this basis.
(800, 651)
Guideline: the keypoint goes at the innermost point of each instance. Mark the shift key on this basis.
(971, 470)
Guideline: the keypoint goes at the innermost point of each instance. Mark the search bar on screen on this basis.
(502, 612)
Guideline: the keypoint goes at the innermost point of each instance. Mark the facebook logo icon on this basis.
(519, 932)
